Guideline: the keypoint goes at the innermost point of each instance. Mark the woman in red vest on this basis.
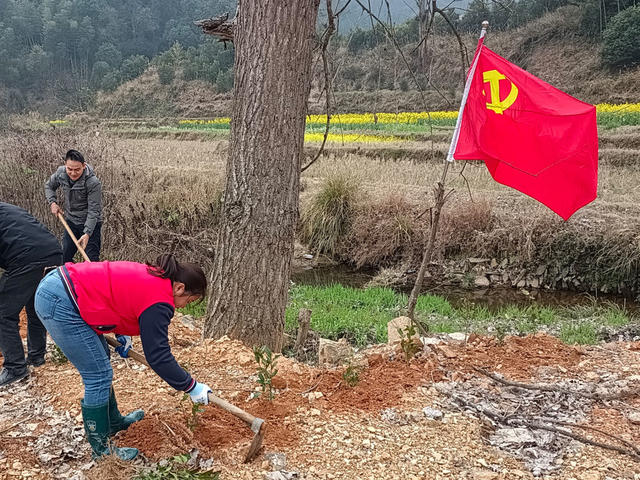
(78, 303)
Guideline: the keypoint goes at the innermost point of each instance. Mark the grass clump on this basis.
(326, 220)
(360, 316)
(583, 333)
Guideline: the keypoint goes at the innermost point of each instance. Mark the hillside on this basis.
(376, 79)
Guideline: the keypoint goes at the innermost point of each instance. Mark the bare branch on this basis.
(331, 28)
(404, 59)
(463, 51)
(219, 27)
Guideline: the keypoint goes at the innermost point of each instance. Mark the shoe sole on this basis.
(15, 380)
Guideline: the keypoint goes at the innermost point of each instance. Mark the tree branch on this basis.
(404, 59)
(331, 28)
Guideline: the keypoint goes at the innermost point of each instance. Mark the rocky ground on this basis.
(440, 416)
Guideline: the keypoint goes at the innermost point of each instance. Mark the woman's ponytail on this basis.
(165, 266)
(192, 275)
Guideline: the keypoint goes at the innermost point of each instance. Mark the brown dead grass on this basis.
(148, 209)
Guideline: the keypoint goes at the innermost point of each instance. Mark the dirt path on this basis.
(376, 429)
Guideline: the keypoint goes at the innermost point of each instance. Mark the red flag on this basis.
(532, 136)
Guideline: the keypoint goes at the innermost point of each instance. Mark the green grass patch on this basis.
(195, 309)
(618, 119)
(361, 315)
(583, 333)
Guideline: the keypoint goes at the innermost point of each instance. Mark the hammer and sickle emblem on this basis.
(497, 105)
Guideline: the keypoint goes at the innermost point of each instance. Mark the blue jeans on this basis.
(84, 348)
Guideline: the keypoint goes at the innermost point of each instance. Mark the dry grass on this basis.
(164, 194)
(328, 216)
(170, 203)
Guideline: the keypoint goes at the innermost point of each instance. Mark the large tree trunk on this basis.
(250, 279)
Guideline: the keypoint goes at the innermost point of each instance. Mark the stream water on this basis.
(493, 298)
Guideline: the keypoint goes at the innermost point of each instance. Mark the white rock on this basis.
(634, 417)
(432, 413)
(458, 336)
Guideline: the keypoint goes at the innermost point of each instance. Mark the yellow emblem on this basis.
(497, 105)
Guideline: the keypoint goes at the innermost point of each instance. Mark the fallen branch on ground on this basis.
(555, 388)
(511, 422)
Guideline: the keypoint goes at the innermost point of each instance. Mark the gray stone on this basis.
(278, 461)
(482, 281)
(334, 353)
(281, 475)
(188, 321)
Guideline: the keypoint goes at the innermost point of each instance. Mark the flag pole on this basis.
(465, 94)
(439, 189)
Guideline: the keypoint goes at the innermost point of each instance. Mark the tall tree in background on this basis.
(424, 18)
(250, 279)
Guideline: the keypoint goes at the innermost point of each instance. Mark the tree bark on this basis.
(250, 279)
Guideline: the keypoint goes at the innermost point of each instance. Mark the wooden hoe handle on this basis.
(73, 237)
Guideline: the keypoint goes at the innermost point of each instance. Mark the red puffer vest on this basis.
(111, 296)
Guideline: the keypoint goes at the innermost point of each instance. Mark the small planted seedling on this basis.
(408, 342)
(267, 369)
(176, 468)
(193, 420)
(351, 375)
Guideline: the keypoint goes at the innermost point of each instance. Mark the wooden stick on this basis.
(580, 438)
(304, 319)
(598, 430)
(539, 426)
(15, 424)
(73, 237)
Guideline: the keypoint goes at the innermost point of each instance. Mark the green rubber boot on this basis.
(96, 426)
(117, 422)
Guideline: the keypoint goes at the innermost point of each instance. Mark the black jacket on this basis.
(24, 240)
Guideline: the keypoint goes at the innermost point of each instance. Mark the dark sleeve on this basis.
(50, 188)
(154, 335)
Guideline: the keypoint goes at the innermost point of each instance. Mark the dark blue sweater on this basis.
(154, 335)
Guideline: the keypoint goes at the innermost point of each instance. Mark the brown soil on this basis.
(340, 433)
(517, 357)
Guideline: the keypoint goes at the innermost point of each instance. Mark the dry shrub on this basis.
(381, 232)
(327, 218)
(461, 224)
(145, 212)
